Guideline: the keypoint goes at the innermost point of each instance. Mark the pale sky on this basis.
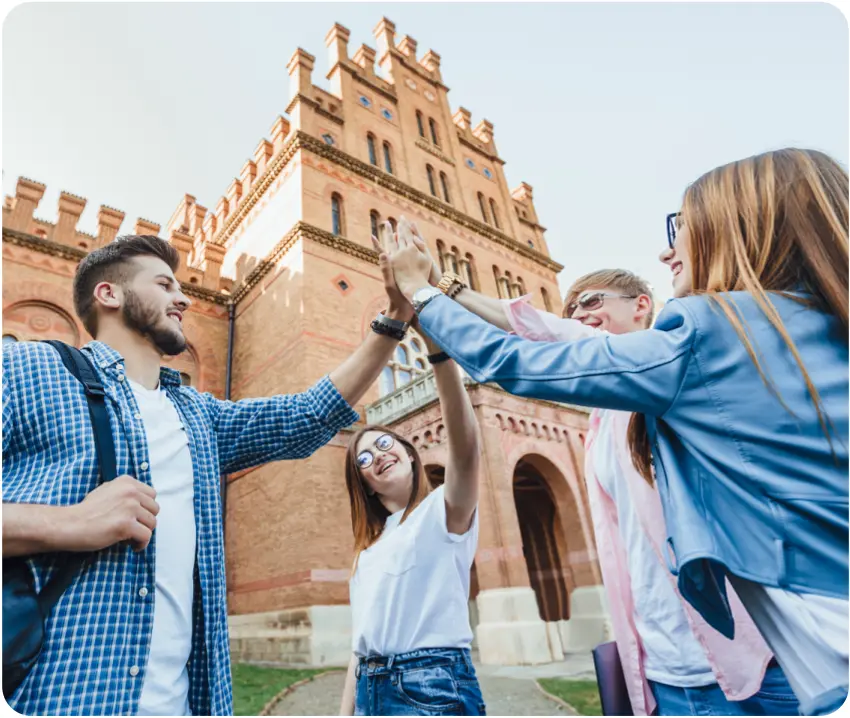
(608, 110)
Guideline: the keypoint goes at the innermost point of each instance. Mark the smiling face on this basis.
(385, 466)
(677, 258)
(153, 305)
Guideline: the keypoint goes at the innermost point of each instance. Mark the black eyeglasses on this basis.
(673, 222)
(589, 301)
(365, 458)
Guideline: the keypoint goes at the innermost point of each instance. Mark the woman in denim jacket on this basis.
(740, 394)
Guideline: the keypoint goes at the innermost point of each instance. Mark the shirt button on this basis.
(134, 671)
(143, 592)
(137, 415)
(144, 466)
(120, 377)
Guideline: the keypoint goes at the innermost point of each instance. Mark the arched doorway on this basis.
(542, 541)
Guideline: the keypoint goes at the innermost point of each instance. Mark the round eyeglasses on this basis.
(366, 458)
(589, 301)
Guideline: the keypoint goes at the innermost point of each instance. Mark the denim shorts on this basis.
(427, 682)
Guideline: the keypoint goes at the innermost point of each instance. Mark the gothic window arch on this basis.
(408, 362)
(337, 217)
(373, 155)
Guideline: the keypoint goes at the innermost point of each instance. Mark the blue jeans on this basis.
(775, 698)
(427, 682)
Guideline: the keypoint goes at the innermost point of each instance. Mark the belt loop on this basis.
(390, 662)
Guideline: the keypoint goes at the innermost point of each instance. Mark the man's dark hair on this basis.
(112, 263)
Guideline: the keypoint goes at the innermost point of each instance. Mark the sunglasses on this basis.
(673, 223)
(383, 443)
(593, 300)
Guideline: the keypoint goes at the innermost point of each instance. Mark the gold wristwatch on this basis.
(450, 284)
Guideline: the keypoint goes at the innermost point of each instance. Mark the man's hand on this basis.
(123, 509)
(411, 266)
(436, 273)
(400, 307)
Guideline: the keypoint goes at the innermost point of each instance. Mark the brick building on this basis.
(284, 283)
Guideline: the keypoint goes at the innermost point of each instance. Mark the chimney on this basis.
(300, 68)
(431, 61)
(248, 175)
(407, 47)
(144, 226)
(108, 223)
(484, 131)
(365, 57)
(525, 192)
(212, 258)
(279, 131)
(384, 33)
(28, 194)
(234, 195)
(262, 155)
(70, 209)
(221, 212)
(337, 43)
(182, 242)
(462, 118)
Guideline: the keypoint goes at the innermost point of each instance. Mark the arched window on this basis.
(433, 127)
(547, 304)
(388, 158)
(495, 213)
(374, 220)
(452, 260)
(441, 255)
(336, 214)
(406, 364)
(373, 155)
(503, 284)
(483, 208)
(393, 223)
(431, 184)
(420, 123)
(469, 272)
(444, 181)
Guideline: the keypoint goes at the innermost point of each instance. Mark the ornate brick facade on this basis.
(285, 256)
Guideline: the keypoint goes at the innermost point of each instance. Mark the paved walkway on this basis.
(508, 690)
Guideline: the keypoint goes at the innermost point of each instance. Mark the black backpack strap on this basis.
(81, 368)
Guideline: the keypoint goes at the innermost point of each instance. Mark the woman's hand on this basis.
(436, 273)
(411, 266)
(400, 307)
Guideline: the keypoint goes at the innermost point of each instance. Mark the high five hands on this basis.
(405, 262)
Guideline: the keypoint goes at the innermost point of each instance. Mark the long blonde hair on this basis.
(776, 222)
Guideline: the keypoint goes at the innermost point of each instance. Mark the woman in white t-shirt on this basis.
(410, 585)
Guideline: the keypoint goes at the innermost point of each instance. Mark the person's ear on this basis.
(644, 308)
(108, 295)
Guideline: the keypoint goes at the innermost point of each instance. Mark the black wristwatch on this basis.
(394, 328)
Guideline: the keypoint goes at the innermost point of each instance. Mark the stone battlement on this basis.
(202, 268)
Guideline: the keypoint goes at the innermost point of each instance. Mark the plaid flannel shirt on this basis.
(95, 654)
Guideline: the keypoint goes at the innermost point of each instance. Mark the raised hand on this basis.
(436, 273)
(385, 245)
(411, 266)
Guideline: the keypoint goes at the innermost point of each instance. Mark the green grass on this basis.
(254, 686)
(581, 695)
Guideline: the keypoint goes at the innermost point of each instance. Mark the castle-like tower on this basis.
(285, 283)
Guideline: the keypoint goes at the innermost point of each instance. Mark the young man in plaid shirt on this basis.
(143, 629)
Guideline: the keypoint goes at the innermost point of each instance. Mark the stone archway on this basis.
(543, 541)
(35, 320)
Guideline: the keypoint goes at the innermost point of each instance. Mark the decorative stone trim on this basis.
(356, 72)
(74, 254)
(525, 220)
(428, 147)
(302, 141)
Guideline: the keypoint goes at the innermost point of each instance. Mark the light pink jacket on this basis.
(739, 665)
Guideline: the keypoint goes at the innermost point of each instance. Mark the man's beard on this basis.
(148, 322)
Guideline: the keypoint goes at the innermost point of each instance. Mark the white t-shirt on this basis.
(807, 633)
(672, 654)
(411, 587)
(166, 679)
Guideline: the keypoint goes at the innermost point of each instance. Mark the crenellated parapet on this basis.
(199, 265)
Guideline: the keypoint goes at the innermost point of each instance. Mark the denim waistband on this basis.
(421, 658)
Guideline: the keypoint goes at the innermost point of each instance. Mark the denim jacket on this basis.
(748, 480)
